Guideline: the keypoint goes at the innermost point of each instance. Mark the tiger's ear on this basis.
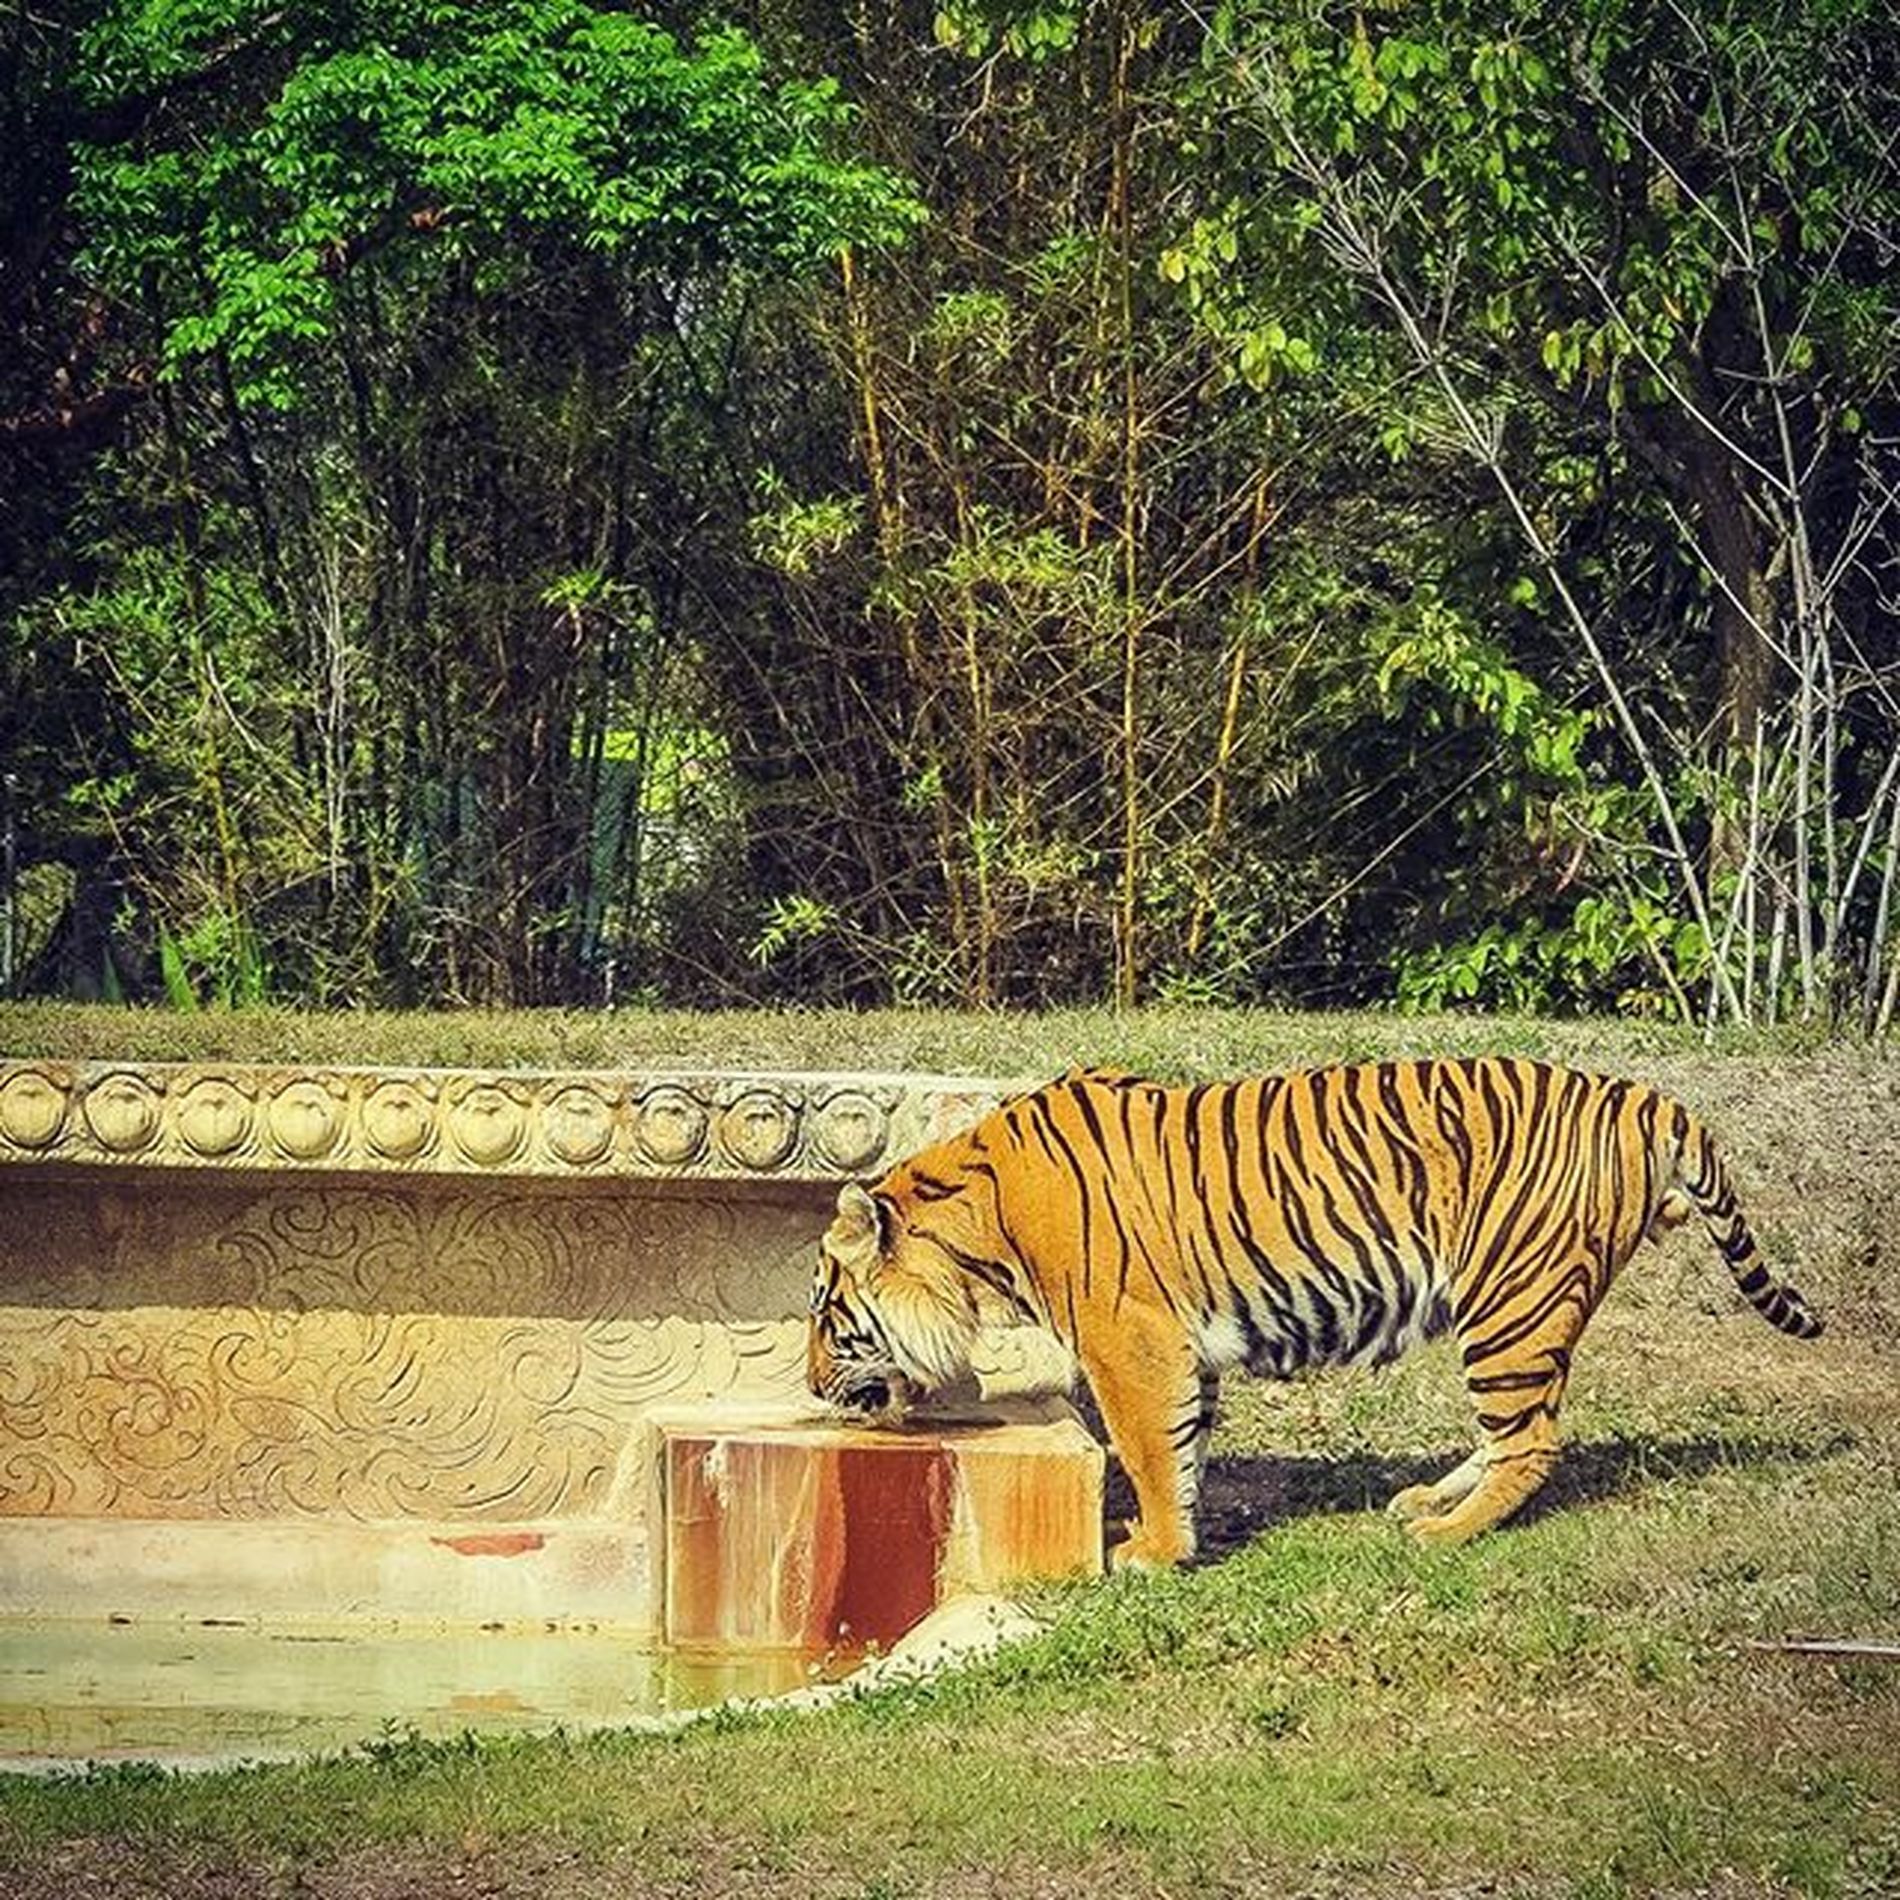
(858, 1230)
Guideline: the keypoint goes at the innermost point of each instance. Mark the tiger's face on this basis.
(887, 1322)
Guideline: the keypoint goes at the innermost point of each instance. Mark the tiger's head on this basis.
(892, 1316)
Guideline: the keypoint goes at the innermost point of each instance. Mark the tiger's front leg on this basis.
(1158, 1406)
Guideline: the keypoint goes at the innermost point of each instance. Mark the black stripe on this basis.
(1573, 1288)
(1230, 1129)
(1402, 1144)
(1082, 1190)
(927, 1188)
(1191, 1134)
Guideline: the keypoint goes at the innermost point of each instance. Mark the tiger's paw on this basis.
(1443, 1532)
(1139, 1551)
(1414, 1502)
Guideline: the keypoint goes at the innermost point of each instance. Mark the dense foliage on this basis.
(540, 502)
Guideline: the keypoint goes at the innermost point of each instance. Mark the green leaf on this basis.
(179, 993)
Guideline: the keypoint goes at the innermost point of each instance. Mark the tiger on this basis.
(1334, 1215)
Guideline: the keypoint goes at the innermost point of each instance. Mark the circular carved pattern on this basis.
(122, 1113)
(671, 1128)
(759, 1129)
(542, 1124)
(580, 1125)
(487, 1124)
(305, 1120)
(213, 1116)
(848, 1131)
(32, 1110)
(398, 1122)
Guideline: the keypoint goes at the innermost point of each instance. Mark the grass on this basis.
(1571, 1708)
(1184, 1042)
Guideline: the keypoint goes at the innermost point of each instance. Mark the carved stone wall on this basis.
(285, 1341)
(375, 1350)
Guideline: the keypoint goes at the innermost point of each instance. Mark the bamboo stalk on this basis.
(1777, 953)
(1834, 896)
(1752, 883)
(1810, 636)
(1877, 1015)
(1869, 825)
(979, 756)
(1217, 797)
(1127, 971)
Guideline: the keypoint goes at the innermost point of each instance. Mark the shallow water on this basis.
(204, 1694)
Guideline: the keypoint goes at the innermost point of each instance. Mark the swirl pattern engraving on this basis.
(245, 1292)
(375, 1352)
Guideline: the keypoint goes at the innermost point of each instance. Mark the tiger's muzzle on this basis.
(873, 1397)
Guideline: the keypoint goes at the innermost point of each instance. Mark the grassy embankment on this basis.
(1572, 1707)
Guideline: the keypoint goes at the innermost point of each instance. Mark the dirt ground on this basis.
(121, 1871)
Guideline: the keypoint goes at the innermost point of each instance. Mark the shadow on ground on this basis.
(1243, 1494)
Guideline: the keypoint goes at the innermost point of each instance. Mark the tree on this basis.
(1665, 227)
(515, 503)
(418, 294)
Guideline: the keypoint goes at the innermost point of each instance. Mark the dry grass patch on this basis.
(1176, 1042)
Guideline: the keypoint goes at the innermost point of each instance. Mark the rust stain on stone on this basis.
(808, 1545)
(889, 1531)
(822, 1539)
(493, 1543)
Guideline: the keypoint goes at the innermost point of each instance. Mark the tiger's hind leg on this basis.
(1517, 1360)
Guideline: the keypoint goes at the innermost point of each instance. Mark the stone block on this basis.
(817, 1536)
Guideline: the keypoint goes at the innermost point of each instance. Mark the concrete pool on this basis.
(341, 1401)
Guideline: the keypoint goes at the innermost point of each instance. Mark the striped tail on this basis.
(1703, 1177)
